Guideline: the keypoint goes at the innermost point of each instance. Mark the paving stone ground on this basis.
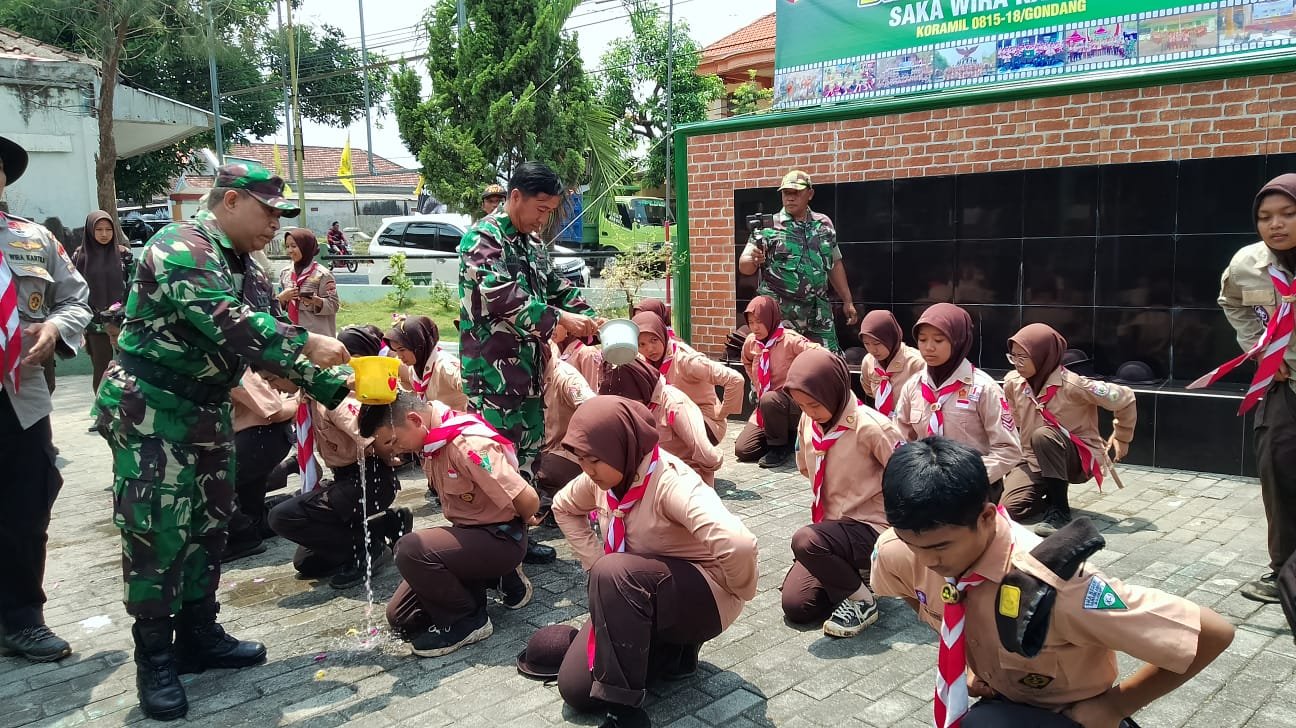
(1194, 535)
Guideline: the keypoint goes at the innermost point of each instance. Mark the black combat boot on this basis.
(202, 643)
(161, 696)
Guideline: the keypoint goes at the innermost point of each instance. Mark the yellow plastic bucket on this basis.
(375, 378)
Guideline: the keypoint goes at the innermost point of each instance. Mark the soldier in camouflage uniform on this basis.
(511, 300)
(797, 258)
(198, 312)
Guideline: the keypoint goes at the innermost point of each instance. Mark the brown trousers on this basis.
(1275, 431)
(781, 416)
(327, 524)
(445, 572)
(553, 471)
(1027, 493)
(638, 604)
(99, 346)
(832, 559)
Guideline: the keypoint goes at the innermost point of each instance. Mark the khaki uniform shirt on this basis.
(586, 359)
(257, 404)
(682, 432)
(905, 365)
(678, 517)
(781, 356)
(697, 376)
(978, 416)
(1076, 407)
(321, 284)
(564, 390)
(1094, 617)
(852, 489)
(337, 433)
(446, 384)
(475, 481)
(1249, 299)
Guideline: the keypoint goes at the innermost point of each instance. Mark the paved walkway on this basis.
(1196, 536)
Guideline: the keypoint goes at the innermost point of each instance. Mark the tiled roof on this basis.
(322, 164)
(13, 43)
(759, 35)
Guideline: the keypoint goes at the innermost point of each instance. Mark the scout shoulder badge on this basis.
(1025, 603)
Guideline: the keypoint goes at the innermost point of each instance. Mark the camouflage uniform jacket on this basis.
(798, 257)
(49, 289)
(510, 299)
(192, 312)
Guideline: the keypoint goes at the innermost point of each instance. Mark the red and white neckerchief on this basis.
(1270, 349)
(951, 662)
(453, 424)
(294, 306)
(822, 444)
(882, 400)
(307, 467)
(423, 383)
(614, 542)
(936, 399)
(384, 350)
(10, 328)
(1089, 462)
(763, 374)
(665, 366)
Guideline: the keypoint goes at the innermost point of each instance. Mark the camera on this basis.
(759, 221)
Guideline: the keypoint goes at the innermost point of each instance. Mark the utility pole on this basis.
(292, 157)
(463, 19)
(670, 74)
(364, 59)
(215, 86)
(298, 149)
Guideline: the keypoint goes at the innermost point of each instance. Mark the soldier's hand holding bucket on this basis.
(325, 351)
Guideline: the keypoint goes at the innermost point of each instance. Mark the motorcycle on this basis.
(341, 248)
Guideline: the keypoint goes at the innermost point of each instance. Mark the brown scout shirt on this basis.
(588, 360)
(1093, 618)
(257, 404)
(321, 283)
(852, 489)
(697, 376)
(1250, 301)
(564, 390)
(474, 494)
(978, 416)
(682, 431)
(905, 365)
(781, 356)
(337, 433)
(1076, 407)
(446, 384)
(679, 517)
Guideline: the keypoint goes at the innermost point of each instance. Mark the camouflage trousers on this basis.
(813, 320)
(172, 502)
(519, 419)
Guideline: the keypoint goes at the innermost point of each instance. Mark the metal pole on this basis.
(296, 115)
(463, 19)
(364, 60)
(670, 76)
(292, 158)
(215, 86)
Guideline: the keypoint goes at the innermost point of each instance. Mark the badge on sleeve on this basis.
(35, 301)
(1006, 420)
(1100, 595)
(481, 460)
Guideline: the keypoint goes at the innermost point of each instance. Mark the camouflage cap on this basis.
(795, 180)
(258, 182)
(493, 191)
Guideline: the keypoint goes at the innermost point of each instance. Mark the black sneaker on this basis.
(1264, 589)
(1054, 519)
(438, 641)
(515, 589)
(354, 574)
(625, 716)
(242, 549)
(538, 553)
(775, 456)
(850, 618)
(37, 644)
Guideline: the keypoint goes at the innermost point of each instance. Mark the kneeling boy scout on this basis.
(1027, 623)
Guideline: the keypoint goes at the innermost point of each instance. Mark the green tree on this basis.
(749, 96)
(332, 76)
(634, 83)
(510, 89)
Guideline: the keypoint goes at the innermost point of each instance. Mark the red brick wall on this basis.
(1233, 117)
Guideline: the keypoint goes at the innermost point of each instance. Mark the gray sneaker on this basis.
(1264, 589)
(37, 644)
(850, 618)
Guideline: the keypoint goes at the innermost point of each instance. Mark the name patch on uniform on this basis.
(1036, 681)
(1010, 601)
(1100, 595)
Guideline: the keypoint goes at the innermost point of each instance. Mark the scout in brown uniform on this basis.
(659, 307)
(691, 372)
(263, 437)
(954, 399)
(766, 354)
(965, 568)
(844, 446)
(1057, 415)
(440, 604)
(429, 372)
(680, 428)
(564, 390)
(889, 363)
(327, 523)
(671, 569)
(1250, 297)
(585, 356)
(308, 290)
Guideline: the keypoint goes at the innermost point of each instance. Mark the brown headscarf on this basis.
(766, 311)
(652, 305)
(307, 243)
(420, 335)
(1045, 348)
(637, 380)
(956, 325)
(618, 431)
(823, 376)
(882, 325)
(101, 266)
(652, 324)
(1283, 184)
(362, 340)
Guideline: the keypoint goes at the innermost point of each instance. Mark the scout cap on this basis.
(14, 158)
(493, 191)
(795, 180)
(258, 182)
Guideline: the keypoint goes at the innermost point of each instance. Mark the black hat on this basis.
(1134, 372)
(545, 651)
(14, 158)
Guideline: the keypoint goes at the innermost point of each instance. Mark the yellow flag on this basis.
(344, 168)
(418, 189)
(279, 170)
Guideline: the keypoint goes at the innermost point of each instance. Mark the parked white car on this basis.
(431, 247)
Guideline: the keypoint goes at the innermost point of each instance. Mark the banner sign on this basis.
(841, 50)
